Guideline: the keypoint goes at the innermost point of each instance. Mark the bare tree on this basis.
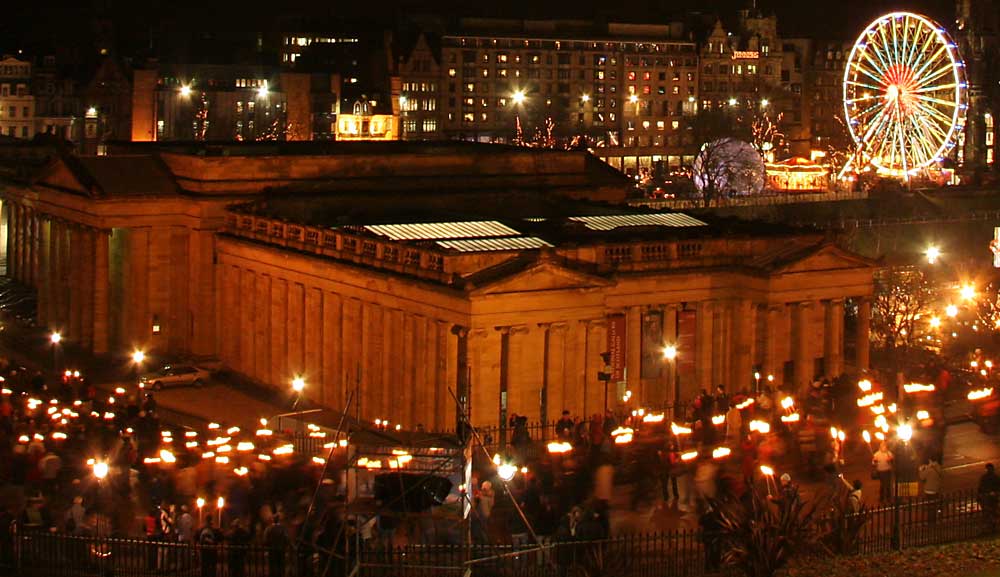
(901, 309)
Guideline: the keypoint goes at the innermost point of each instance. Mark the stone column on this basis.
(864, 328)
(77, 280)
(8, 214)
(633, 353)
(13, 240)
(720, 344)
(556, 388)
(774, 334)
(703, 343)
(741, 373)
(833, 338)
(32, 257)
(55, 289)
(87, 239)
(800, 335)
(44, 274)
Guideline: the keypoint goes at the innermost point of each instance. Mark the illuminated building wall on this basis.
(17, 105)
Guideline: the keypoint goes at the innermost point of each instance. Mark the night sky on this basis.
(26, 23)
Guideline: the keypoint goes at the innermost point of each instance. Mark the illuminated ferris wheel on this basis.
(904, 95)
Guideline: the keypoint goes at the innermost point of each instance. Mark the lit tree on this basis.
(901, 309)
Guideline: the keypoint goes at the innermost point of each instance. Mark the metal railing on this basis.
(913, 523)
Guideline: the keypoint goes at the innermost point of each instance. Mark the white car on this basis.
(174, 375)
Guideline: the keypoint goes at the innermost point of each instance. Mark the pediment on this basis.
(826, 258)
(59, 175)
(542, 276)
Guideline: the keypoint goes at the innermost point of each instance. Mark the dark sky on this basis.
(66, 20)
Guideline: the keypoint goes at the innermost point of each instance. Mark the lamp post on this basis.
(670, 355)
(518, 97)
(138, 357)
(55, 338)
(298, 385)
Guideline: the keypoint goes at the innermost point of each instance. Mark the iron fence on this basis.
(681, 553)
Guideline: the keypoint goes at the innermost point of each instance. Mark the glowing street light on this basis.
(764, 102)
(732, 102)
(298, 384)
(262, 90)
(932, 253)
(935, 322)
(100, 470)
(670, 352)
(968, 292)
(518, 97)
(185, 90)
(904, 432)
(951, 311)
(585, 98)
(506, 471)
(138, 356)
(55, 338)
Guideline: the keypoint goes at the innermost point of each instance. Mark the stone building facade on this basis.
(405, 274)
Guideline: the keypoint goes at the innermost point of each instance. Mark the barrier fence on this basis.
(681, 553)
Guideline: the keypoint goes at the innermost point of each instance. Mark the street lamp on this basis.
(585, 98)
(932, 253)
(951, 311)
(138, 356)
(764, 102)
(968, 291)
(55, 337)
(518, 97)
(262, 90)
(670, 354)
(185, 90)
(298, 384)
(100, 470)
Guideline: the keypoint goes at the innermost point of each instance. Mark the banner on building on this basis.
(652, 344)
(616, 346)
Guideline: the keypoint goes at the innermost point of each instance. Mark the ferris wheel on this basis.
(904, 95)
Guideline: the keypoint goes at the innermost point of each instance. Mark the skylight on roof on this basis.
(442, 230)
(613, 221)
(493, 244)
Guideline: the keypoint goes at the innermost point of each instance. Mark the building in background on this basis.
(978, 36)
(17, 104)
(221, 103)
(627, 90)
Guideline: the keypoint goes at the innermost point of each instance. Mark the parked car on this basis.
(174, 375)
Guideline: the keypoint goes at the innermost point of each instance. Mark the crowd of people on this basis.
(717, 448)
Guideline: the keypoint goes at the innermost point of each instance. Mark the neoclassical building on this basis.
(407, 273)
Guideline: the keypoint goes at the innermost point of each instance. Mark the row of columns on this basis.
(68, 265)
(540, 370)
(401, 364)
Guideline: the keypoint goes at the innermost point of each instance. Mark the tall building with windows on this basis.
(17, 105)
(743, 67)
(629, 89)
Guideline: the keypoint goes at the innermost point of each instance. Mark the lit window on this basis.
(660, 125)
(452, 72)
(675, 124)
